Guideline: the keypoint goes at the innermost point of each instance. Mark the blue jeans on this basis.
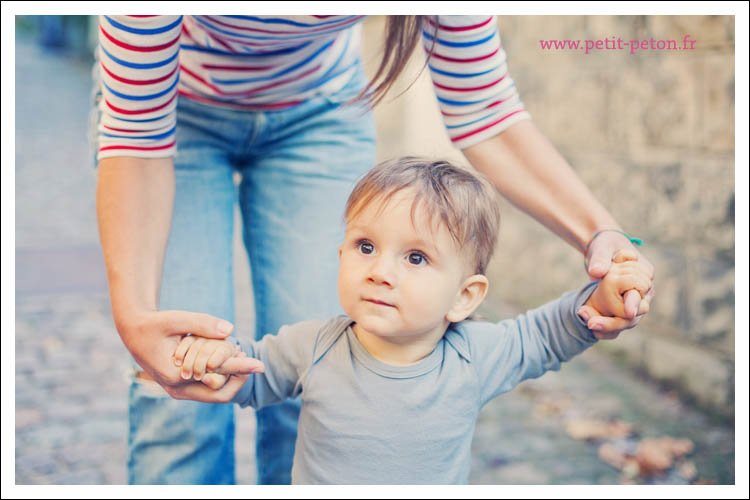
(297, 167)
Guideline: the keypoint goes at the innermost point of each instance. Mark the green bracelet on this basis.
(635, 241)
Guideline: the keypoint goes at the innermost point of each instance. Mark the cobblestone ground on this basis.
(71, 368)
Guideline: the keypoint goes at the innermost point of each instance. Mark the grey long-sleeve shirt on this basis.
(367, 422)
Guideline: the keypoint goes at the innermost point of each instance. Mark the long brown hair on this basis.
(402, 33)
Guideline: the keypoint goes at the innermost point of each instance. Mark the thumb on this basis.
(599, 261)
(200, 324)
(587, 312)
(632, 302)
(241, 366)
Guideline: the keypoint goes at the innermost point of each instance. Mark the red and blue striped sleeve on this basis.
(476, 95)
(139, 70)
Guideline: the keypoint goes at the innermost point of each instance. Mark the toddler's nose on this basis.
(382, 273)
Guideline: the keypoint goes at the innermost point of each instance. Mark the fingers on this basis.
(219, 356)
(196, 361)
(606, 335)
(598, 265)
(214, 380)
(187, 363)
(610, 325)
(587, 312)
(632, 303)
(611, 246)
(199, 365)
(650, 295)
(199, 357)
(182, 349)
(644, 307)
(601, 250)
(241, 365)
(625, 254)
(218, 350)
(196, 391)
(202, 325)
(631, 274)
(647, 265)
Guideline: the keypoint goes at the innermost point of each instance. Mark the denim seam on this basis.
(259, 122)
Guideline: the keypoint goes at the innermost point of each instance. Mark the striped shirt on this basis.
(264, 63)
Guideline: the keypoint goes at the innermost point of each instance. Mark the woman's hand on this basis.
(152, 338)
(197, 391)
(601, 253)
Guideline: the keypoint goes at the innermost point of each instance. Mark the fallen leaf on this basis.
(552, 406)
(682, 447)
(654, 456)
(706, 481)
(631, 469)
(620, 429)
(594, 429)
(611, 455)
(687, 470)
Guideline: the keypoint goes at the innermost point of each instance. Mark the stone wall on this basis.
(652, 135)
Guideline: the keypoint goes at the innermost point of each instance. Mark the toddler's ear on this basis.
(471, 294)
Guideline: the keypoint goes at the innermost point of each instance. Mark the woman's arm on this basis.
(136, 187)
(484, 116)
(134, 201)
(527, 170)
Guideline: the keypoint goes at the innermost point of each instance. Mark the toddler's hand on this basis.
(624, 275)
(212, 361)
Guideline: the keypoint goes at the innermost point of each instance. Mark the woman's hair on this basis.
(402, 34)
(462, 200)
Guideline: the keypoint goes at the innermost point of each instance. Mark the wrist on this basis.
(592, 222)
(594, 302)
(128, 301)
(129, 318)
(632, 239)
(593, 231)
(616, 234)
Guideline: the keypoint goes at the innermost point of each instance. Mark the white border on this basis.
(739, 9)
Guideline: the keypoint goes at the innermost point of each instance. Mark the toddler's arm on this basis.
(277, 363)
(212, 361)
(513, 350)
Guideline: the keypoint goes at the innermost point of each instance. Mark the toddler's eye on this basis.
(417, 259)
(366, 248)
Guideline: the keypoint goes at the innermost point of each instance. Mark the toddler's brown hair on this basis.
(464, 200)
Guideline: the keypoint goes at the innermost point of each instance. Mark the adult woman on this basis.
(270, 99)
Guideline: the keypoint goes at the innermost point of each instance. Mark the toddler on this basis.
(392, 389)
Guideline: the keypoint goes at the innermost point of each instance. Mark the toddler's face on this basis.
(399, 280)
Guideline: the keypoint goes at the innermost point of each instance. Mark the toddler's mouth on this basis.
(379, 302)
